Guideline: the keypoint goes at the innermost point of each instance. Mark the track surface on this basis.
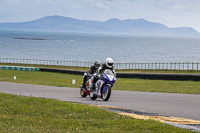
(168, 104)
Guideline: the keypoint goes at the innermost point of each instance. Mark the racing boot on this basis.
(83, 85)
(84, 80)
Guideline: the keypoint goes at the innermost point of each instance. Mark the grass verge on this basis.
(24, 114)
(130, 84)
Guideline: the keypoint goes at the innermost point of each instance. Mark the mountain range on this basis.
(112, 26)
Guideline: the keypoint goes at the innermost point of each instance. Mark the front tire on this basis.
(93, 96)
(106, 93)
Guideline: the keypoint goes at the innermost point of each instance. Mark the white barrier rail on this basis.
(138, 66)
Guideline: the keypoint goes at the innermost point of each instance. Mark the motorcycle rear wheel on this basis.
(82, 92)
(106, 94)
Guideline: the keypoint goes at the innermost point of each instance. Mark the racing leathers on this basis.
(92, 70)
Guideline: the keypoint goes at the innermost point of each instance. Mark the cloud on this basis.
(37, 1)
(12, 1)
(102, 6)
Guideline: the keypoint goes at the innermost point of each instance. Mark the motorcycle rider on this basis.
(93, 69)
(107, 65)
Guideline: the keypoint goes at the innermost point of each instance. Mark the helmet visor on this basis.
(97, 65)
(110, 64)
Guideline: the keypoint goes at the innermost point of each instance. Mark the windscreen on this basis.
(109, 72)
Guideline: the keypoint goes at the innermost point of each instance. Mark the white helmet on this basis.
(109, 62)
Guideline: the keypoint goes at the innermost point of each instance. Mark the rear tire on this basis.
(106, 94)
(82, 92)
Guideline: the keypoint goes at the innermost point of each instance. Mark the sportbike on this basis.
(102, 88)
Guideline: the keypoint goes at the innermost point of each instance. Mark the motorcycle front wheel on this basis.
(93, 96)
(106, 93)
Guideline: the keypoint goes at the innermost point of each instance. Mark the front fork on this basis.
(90, 83)
(99, 86)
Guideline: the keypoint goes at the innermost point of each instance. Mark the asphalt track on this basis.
(167, 104)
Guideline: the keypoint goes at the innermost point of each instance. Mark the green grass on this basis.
(129, 84)
(185, 87)
(41, 78)
(20, 114)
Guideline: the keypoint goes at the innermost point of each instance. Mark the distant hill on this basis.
(116, 26)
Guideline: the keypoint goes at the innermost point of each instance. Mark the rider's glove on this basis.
(98, 75)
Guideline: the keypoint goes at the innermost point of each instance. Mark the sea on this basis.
(90, 47)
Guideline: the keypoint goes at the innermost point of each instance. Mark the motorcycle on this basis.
(103, 86)
(88, 84)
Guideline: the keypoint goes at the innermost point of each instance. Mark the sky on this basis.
(172, 13)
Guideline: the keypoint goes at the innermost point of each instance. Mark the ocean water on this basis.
(89, 47)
